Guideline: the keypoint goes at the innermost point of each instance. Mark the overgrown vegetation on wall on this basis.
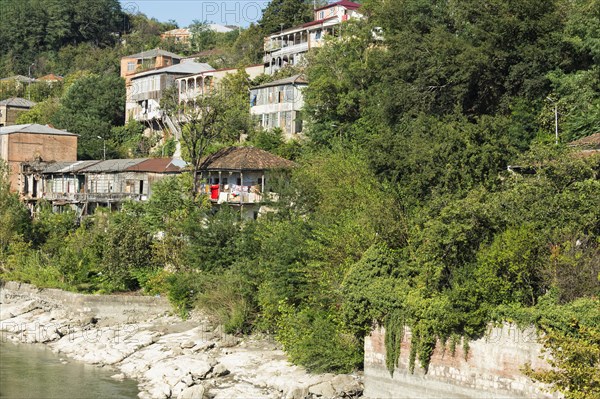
(402, 210)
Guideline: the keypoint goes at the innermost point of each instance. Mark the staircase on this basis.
(176, 130)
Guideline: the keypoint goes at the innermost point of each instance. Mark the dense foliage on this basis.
(401, 210)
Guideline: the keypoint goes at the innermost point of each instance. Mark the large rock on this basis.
(193, 392)
(323, 389)
(345, 385)
(219, 370)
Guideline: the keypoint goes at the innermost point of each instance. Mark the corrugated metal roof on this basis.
(67, 167)
(18, 102)
(244, 158)
(18, 78)
(296, 79)
(180, 69)
(34, 128)
(112, 165)
(156, 165)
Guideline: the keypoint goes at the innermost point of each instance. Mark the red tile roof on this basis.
(344, 3)
(317, 22)
(51, 78)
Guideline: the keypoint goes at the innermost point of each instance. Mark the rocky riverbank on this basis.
(169, 357)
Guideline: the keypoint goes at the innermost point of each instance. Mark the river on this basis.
(35, 372)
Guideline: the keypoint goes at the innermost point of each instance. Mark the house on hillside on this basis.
(241, 177)
(32, 142)
(50, 78)
(192, 86)
(184, 35)
(151, 59)
(11, 108)
(587, 145)
(289, 46)
(278, 104)
(146, 90)
(17, 79)
(179, 35)
(85, 185)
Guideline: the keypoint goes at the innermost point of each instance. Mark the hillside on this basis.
(430, 189)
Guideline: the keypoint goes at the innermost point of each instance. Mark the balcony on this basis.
(230, 194)
(290, 49)
(92, 197)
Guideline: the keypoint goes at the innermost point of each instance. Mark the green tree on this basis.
(206, 124)
(283, 14)
(203, 37)
(89, 107)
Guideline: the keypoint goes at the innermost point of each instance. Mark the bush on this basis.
(183, 291)
(314, 339)
(230, 298)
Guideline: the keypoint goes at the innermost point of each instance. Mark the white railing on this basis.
(291, 49)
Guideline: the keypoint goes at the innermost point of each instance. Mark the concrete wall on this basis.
(106, 308)
(491, 368)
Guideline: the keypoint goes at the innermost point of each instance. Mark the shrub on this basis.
(314, 339)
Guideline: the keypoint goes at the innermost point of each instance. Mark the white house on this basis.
(289, 46)
(279, 104)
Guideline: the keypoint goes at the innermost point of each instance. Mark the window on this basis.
(287, 116)
(131, 66)
(225, 180)
(298, 122)
(322, 15)
(289, 94)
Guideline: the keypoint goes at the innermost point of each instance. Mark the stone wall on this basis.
(490, 369)
(108, 309)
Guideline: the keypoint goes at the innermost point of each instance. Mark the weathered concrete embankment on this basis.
(169, 357)
(490, 368)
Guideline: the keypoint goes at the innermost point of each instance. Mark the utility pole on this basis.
(103, 147)
(29, 83)
(555, 119)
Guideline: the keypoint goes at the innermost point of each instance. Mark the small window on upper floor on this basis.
(322, 15)
(131, 66)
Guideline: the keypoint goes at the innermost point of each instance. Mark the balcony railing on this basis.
(290, 49)
(225, 194)
(93, 197)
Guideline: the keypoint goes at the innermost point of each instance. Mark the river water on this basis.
(35, 372)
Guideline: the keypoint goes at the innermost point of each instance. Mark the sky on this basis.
(224, 12)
